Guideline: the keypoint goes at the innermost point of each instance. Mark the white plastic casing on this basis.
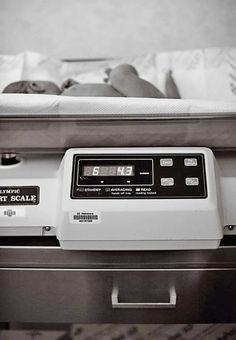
(29, 220)
(141, 224)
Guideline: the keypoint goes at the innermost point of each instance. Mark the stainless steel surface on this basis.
(101, 270)
(76, 286)
(75, 296)
(115, 117)
(117, 304)
(54, 257)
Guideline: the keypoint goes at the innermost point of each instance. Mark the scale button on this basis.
(190, 161)
(167, 181)
(166, 162)
(192, 181)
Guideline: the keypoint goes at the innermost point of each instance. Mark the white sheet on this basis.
(32, 105)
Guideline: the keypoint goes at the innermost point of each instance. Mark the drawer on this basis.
(117, 296)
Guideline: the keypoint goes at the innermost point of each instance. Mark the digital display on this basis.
(117, 170)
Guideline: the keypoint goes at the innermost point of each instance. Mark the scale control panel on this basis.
(139, 176)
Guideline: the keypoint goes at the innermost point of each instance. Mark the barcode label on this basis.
(85, 217)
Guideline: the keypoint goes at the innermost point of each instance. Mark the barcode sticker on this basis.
(85, 217)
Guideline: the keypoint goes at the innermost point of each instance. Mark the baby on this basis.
(122, 81)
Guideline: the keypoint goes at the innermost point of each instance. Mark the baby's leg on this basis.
(125, 79)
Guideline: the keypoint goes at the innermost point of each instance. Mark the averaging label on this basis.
(25, 195)
(85, 217)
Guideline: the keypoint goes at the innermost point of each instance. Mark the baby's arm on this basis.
(91, 90)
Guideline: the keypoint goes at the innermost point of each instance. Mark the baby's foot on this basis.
(107, 72)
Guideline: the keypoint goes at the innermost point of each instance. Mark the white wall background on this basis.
(102, 28)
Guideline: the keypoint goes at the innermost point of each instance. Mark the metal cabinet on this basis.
(58, 286)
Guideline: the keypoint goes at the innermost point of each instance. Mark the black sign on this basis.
(142, 176)
(26, 195)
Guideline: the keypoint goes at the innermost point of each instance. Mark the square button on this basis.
(192, 181)
(166, 162)
(190, 161)
(167, 181)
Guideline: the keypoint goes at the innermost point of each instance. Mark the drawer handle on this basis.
(117, 304)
